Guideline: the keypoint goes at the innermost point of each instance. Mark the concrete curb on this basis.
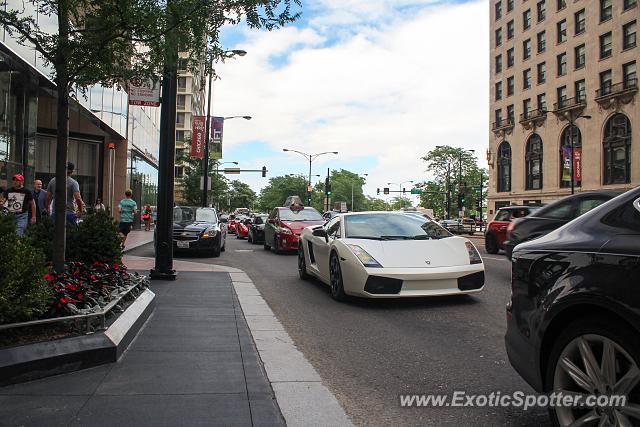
(303, 399)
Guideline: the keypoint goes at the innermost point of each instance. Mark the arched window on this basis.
(617, 150)
(504, 167)
(565, 155)
(533, 159)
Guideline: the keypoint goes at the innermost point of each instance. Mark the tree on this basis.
(434, 197)
(344, 184)
(375, 204)
(111, 42)
(279, 188)
(191, 190)
(452, 168)
(241, 195)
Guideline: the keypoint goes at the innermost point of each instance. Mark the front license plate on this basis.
(183, 245)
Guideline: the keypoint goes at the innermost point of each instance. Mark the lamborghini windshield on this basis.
(393, 227)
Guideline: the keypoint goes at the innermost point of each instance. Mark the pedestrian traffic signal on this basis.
(479, 204)
(386, 190)
(264, 171)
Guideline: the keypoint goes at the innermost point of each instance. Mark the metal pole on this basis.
(352, 196)
(448, 190)
(308, 188)
(571, 142)
(164, 230)
(205, 161)
(480, 202)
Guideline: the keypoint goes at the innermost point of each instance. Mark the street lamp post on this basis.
(218, 163)
(359, 176)
(205, 172)
(311, 158)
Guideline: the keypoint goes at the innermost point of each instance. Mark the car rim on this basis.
(596, 365)
(334, 272)
(301, 266)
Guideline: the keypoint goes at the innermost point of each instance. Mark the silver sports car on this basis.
(389, 255)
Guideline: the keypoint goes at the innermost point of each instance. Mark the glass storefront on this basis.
(84, 154)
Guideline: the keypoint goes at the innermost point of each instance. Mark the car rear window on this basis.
(625, 216)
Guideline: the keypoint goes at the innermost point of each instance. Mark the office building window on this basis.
(510, 86)
(180, 119)
(498, 37)
(617, 150)
(179, 172)
(542, 42)
(510, 5)
(542, 10)
(580, 56)
(567, 141)
(562, 96)
(498, 91)
(526, 107)
(504, 167)
(606, 10)
(498, 63)
(526, 78)
(542, 72)
(182, 82)
(533, 159)
(606, 45)
(629, 35)
(542, 102)
(562, 64)
(630, 75)
(561, 4)
(562, 31)
(526, 49)
(498, 10)
(628, 4)
(511, 114)
(526, 19)
(511, 57)
(580, 88)
(498, 116)
(606, 81)
(580, 20)
(181, 101)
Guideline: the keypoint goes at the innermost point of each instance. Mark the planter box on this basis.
(38, 360)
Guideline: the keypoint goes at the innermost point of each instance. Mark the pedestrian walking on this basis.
(73, 197)
(18, 201)
(99, 206)
(146, 217)
(40, 198)
(127, 208)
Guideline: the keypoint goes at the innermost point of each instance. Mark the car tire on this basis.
(595, 333)
(276, 246)
(335, 279)
(249, 239)
(491, 244)
(302, 265)
(265, 246)
(217, 248)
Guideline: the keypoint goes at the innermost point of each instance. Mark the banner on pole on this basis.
(144, 93)
(217, 124)
(197, 136)
(566, 164)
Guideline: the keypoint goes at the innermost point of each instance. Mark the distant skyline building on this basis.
(553, 62)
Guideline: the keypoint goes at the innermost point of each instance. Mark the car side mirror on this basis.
(271, 221)
(321, 232)
(224, 220)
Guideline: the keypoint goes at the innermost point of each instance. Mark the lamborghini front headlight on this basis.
(365, 258)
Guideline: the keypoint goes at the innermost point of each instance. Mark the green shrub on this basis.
(7, 225)
(24, 295)
(96, 239)
(41, 236)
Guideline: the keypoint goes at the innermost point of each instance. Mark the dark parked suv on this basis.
(553, 216)
(573, 322)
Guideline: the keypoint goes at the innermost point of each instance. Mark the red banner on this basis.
(197, 136)
(577, 164)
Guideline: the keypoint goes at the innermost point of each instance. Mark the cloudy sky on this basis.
(380, 81)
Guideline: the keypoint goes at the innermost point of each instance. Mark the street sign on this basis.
(144, 93)
(235, 171)
(416, 191)
(343, 206)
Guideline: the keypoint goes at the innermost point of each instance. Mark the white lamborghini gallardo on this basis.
(389, 255)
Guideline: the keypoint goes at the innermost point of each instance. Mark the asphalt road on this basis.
(370, 352)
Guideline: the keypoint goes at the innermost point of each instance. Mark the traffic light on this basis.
(460, 201)
(386, 190)
(264, 171)
(479, 204)
(404, 190)
(378, 191)
(327, 186)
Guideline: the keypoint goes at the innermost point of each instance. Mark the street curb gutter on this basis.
(301, 396)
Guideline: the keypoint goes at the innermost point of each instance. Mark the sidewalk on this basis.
(194, 363)
(137, 238)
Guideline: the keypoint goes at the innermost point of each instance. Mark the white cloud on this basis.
(392, 92)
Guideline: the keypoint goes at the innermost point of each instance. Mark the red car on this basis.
(496, 232)
(242, 227)
(283, 228)
(232, 224)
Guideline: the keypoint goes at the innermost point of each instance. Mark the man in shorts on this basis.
(18, 202)
(73, 197)
(127, 208)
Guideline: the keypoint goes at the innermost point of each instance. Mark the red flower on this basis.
(93, 278)
(65, 300)
(49, 277)
(80, 297)
(116, 266)
(76, 273)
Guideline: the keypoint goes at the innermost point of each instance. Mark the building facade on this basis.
(190, 102)
(564, 99)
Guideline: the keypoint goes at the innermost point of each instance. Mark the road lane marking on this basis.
(495, 259)
(244, 250)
